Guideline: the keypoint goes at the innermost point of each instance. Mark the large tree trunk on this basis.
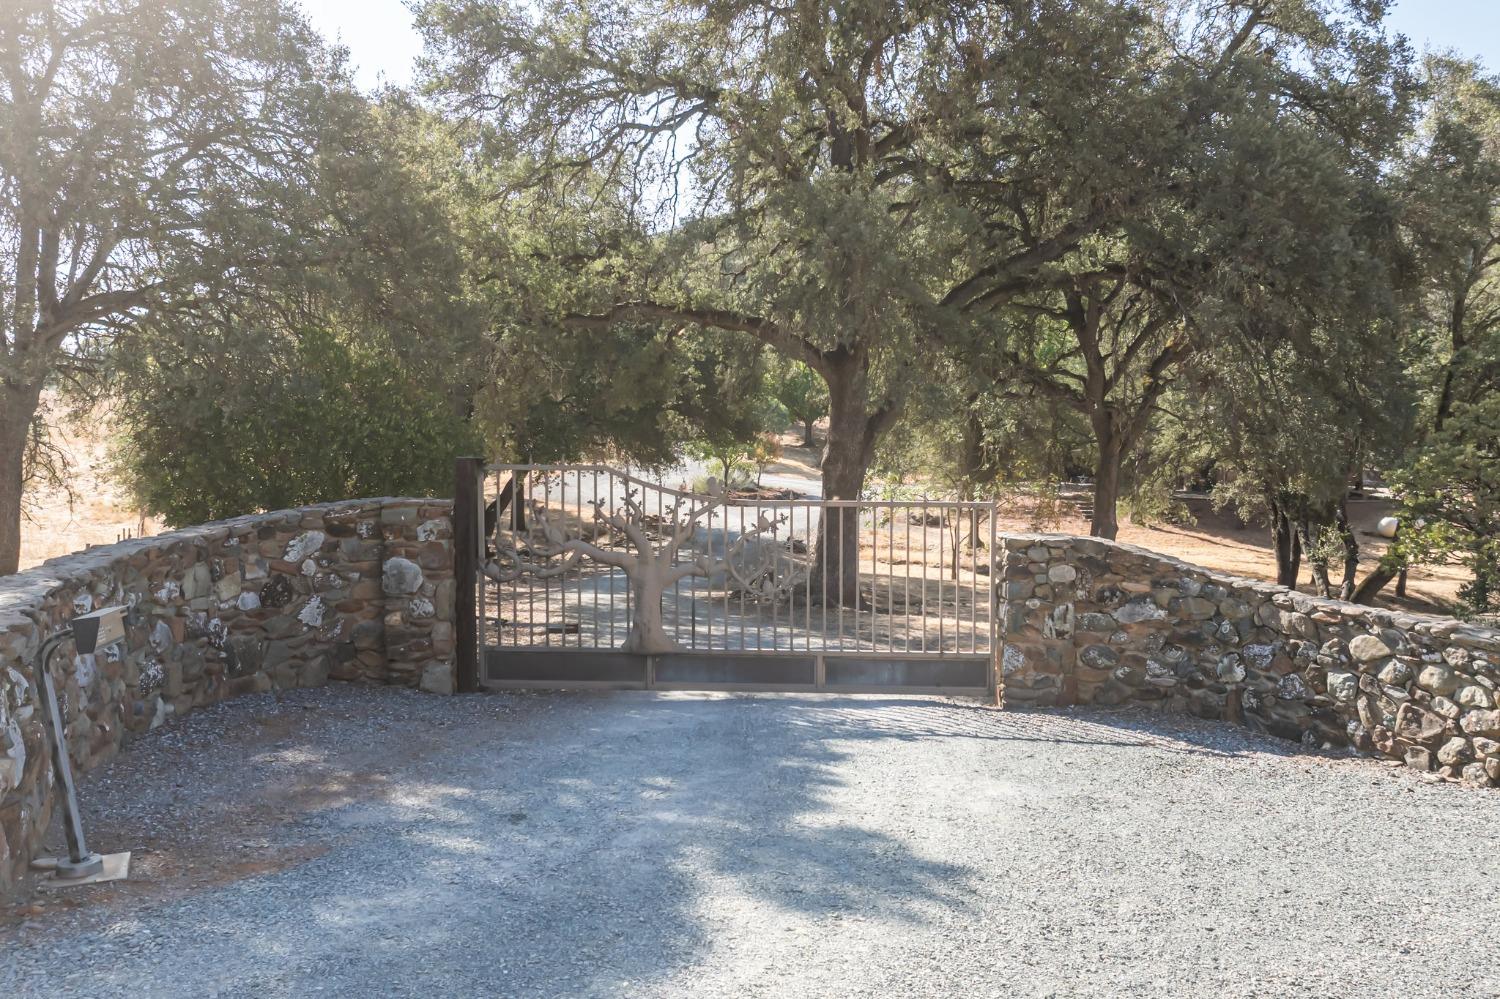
(1106, 523)
(852, 433)
(18, 407)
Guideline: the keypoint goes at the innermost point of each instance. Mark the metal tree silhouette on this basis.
(651, 568)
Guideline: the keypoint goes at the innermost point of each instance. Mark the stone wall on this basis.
(1087, 621)
(360, 590)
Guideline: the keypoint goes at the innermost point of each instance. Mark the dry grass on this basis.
(98, 512)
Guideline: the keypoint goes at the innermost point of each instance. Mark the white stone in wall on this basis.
(312, 613)
(430, 530)
(12, 752)
(20, 692)
(1231, 669)
(83, 603)
(248, 601)
(170, 591)
(1139, 610)
(304, 545)
(84, 669)
(309, 567)
(1012, 659)
(161, 636)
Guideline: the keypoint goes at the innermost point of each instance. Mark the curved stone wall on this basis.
(1088, 621)
(359, 590)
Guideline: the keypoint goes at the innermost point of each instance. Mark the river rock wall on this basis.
(1087, 621)
(360, 590)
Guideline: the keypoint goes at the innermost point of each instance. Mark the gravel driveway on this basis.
(363, 842)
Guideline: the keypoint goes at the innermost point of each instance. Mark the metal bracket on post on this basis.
(89, 632)
(80, 862)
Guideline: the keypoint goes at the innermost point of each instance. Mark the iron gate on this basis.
(589, 576)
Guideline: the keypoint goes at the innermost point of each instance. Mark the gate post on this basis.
(468, 536)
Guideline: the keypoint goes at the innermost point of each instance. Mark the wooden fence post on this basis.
(468, 537)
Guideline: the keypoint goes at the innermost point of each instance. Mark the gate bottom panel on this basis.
(780, 672)
(558, 667)
(966, 675)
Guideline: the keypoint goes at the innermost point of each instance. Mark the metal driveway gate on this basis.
(589, 576)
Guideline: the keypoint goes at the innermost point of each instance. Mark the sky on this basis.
(382, 43)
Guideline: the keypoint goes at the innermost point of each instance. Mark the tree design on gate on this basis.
(545, 549)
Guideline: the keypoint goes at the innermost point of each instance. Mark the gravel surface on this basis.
(363, 842)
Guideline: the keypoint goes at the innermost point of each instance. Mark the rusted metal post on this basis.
(468, 511)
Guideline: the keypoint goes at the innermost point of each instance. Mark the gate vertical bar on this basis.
(997, 662)
(468, 534)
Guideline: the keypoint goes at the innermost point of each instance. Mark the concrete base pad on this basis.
(116, 868)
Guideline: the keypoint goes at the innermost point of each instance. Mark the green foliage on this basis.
(1450, 496)
(155, 157)
(802, 393)
(345, 379)
(273, 419)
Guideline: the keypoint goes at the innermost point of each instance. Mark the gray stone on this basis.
(1096, 622)
(1438, 679)
(1474, 696)
(196, 582)
(1137, 611)
(1419, 758)
(1455, 752)
(1368, 648)
(1259, 656)
(1098, 656)
(1482, 723)
(400, 577)
(1416, 724)
(1476, 773)
(1342, 686)
(437, 678)
(1198, 609)
(1062, 574)
(1396, 673)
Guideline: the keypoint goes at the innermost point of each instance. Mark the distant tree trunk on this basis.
(18, 406)
(1317, 566)
(1111, 444)
(807, 432)
(1351, 551)
(1372, 584)
(1288, 545)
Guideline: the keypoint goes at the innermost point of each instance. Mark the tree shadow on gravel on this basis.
(591, 845)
